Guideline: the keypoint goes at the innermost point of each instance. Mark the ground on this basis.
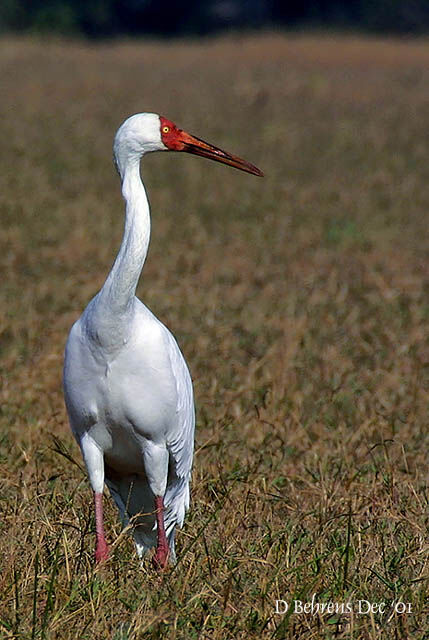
(300, 301)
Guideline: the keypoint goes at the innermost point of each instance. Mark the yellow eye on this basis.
(165, 129)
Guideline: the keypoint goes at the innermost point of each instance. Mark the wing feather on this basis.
(180, 442)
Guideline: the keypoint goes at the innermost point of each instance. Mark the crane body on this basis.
(127, 388)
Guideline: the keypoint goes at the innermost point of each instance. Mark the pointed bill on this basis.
(198, 147)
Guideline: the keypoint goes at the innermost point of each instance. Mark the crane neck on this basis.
(118, 292)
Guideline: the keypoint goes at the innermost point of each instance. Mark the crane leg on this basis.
(161, 554)
(101, 549)
(94, 461)
(156, 466)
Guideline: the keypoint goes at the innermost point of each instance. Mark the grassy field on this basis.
(299, 300)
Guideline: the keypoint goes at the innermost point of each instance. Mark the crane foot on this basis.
(102, 552)
(160, 559)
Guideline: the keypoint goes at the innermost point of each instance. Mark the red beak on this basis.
(198, 147)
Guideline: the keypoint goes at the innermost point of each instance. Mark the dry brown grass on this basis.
(300, 302)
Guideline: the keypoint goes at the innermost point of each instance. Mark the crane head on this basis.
(146, 132)
(176, 139)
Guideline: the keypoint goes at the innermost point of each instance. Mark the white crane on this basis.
(127, 388)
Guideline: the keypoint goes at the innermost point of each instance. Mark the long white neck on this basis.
(120, 286)
(115, 301)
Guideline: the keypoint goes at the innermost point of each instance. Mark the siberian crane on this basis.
(127, 387)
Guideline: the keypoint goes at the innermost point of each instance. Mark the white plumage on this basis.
(127, 388)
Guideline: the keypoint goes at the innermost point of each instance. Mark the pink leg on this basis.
(161, 553)
(101, 550)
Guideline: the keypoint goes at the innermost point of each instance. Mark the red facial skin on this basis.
(171, 137)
